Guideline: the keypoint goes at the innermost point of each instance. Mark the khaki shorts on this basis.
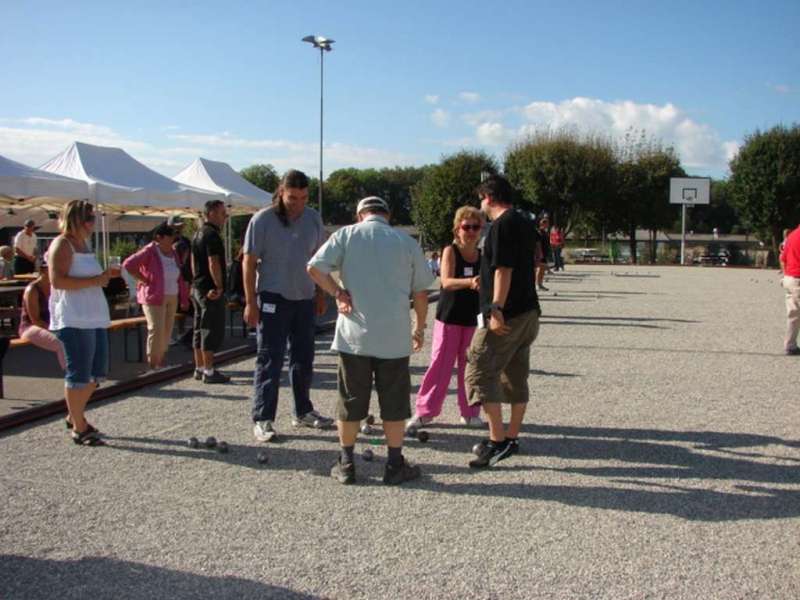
(392, 382)
(498, 365)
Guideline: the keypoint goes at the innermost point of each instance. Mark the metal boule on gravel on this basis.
(423, 436)
(366, 429)
(478, 448)
(222, 447)
(370, 419)
(211, 442)
(367, 455)
(263, 458)
(411, 432)
(193, 442)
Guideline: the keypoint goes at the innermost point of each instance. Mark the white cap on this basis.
(372, 202)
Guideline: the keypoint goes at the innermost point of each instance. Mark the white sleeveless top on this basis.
(85, 308)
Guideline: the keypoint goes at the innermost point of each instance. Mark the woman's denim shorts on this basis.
(86, 351)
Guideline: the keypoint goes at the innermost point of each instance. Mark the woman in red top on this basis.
(557, 244)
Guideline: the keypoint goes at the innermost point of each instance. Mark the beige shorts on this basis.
(498, 365)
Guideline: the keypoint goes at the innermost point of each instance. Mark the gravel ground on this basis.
(661, 459)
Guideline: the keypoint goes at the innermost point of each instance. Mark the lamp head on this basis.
(320, 42)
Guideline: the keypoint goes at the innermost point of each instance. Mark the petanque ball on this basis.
(222, 447)
(423, 436)
(193, 442)
(263, 458)
(370, 419)
(411, 432)
(478, 448)
(366, 429)
(367, 455)
(210, 442)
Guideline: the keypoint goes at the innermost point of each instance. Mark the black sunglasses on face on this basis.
(470, 227)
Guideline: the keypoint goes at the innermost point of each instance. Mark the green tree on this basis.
(721, 213)
(644, 168)
(562, 172)
(765, 182)
(261, 176)
(443, 189)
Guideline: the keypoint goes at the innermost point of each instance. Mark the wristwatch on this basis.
(496, 306)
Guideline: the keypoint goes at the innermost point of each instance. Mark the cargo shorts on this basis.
(392, 382)
(498, 365)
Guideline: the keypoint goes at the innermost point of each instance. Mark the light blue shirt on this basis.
(380, 267)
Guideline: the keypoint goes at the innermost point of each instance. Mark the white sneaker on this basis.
(472, 421)
(418, 422)
(264, 431)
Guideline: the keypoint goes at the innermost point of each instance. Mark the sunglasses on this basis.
(89, 219)
(470, 227)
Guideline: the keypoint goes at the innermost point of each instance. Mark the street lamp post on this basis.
(324, 45)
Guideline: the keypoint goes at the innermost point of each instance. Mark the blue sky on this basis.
(406, 83)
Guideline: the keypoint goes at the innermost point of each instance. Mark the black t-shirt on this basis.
(207, 242)
(183, 248)
(510, 242)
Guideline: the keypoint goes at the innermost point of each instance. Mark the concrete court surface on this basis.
(661, 459)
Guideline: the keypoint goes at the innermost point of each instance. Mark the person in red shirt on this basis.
(557, 245)
(790, 261)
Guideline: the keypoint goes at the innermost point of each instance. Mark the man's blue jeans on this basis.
(281, 321)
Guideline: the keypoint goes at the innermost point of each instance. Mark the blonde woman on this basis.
(79, 314)
(456, 319)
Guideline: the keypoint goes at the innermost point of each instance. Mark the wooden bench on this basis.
(126, 325)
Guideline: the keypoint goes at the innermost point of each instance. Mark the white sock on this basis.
(208, 371)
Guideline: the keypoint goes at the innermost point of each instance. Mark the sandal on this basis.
(89, 426)
(87, 438)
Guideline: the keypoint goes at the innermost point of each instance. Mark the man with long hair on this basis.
(280, 300)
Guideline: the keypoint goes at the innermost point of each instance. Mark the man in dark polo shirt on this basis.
(499, 354)
(790, 262)
(208, 292)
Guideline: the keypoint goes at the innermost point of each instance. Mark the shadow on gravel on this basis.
(641, 457)
(606, 349)
(546, 321)
(635, 319)
(650, 455)
(280, 456)
(98, 577)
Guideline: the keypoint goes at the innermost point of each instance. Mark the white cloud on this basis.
(698, 145)
(35, 140)
(471, 97)
(432, 99)
(440, 117)
(493, 134)
(476, 118)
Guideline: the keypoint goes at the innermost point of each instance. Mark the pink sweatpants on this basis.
(41, 338)
(450, 343)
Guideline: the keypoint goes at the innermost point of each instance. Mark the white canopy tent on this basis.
(119, 183)
(21, 186)
(241, 196)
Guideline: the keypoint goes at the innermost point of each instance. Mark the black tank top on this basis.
(460, 307)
